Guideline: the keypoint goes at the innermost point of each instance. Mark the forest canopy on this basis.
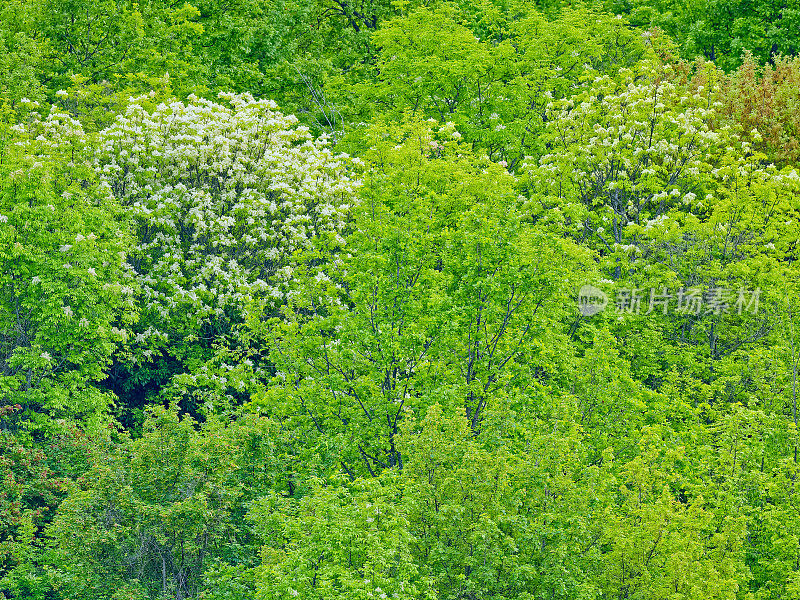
(350, 299)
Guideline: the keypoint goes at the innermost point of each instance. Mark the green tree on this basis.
(64, 297)
(155, 512)
(445, 291)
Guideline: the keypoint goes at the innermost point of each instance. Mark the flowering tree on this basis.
(625, 154)
(226, 200)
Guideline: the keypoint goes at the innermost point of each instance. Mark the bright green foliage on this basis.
(725, 30)
(378, 382)
(496, 520)
(340, 541)
(155, 511)
(95, 38)
(666, 541)
(64, 303)
(493, 89)
(439, 297)
(720, 30)
(19, 55)
(121, 43)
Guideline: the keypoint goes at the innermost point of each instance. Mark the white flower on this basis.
(208, 242)
(62, 93)
(46, 356)
(3, 219)
(67, 311)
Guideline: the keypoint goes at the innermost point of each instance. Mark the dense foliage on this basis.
(420, 300)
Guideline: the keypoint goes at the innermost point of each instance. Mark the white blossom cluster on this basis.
(637, 150)
(58, 137)
(225, 196)
(637, 168)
